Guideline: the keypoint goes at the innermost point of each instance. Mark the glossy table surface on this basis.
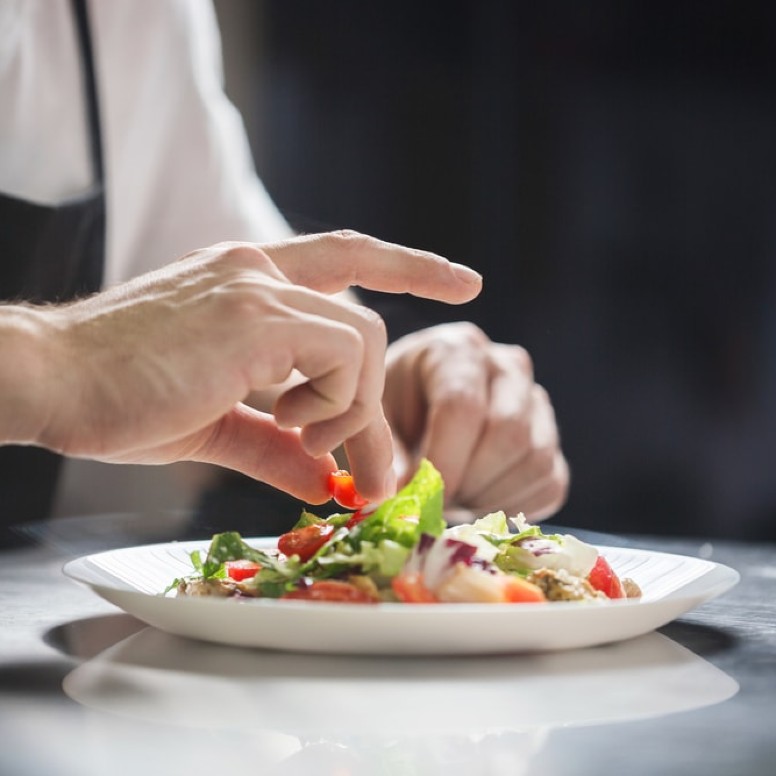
(86, 689)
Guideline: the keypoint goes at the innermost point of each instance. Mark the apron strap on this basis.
(81, 13)
(94, 267)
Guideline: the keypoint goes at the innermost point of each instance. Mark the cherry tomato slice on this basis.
(343, 490)
(603, 578)
(331, 590)
(238, 570)
(305, 542)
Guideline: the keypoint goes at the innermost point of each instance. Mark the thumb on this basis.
(250, 442)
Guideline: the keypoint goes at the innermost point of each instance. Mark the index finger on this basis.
(333, 261)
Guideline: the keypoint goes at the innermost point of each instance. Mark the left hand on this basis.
(472, 407)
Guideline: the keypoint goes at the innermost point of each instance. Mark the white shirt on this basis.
(178, 167)
(179, 173)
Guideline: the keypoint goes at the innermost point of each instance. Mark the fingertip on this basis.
(466, 274)
(317, 485)
(390, 486)
(469, 282)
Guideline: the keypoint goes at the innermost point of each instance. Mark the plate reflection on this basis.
(358, 714)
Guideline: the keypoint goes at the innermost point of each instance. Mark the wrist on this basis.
(24, 380)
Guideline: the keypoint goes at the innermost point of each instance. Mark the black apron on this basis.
(49, 253)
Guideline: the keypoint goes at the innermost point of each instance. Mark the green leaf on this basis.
(231, 546)
(307, 518)
(422, 499)
(386, 558)
(196, 560)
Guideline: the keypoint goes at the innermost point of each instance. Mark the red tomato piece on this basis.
(410, 589)
(305, 542)
(602, 577)
(331, 590)
(343, 490)
(238, 570)
(521, 591)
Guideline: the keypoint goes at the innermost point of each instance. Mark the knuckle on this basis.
(375, 327)
(348, 239)
(461, 400)
(522, 358)
(540, 396)
(469, 333)
(512, 432)
(354, 339)
(232, 251)
(237, 257)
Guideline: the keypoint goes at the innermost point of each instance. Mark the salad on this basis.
(403, 552)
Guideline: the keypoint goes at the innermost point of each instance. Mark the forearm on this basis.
(24, 412)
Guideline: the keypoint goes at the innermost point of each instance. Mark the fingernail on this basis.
(466, 274)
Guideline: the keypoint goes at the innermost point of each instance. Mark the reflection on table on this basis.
(375, 708)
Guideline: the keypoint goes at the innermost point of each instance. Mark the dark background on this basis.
(609, 168)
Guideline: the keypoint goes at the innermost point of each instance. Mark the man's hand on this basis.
(472, 407)
(156, 370)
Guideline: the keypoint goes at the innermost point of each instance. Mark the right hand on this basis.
(473, 408)
(156, 370)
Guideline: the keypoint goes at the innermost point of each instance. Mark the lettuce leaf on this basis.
(308, 518)
(416, 509)
(385, 559)
(486, 534)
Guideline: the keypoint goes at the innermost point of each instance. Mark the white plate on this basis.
(134, 578)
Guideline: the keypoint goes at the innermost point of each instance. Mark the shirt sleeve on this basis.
(179, 168)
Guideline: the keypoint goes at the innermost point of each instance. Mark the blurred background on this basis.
(609, 167)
